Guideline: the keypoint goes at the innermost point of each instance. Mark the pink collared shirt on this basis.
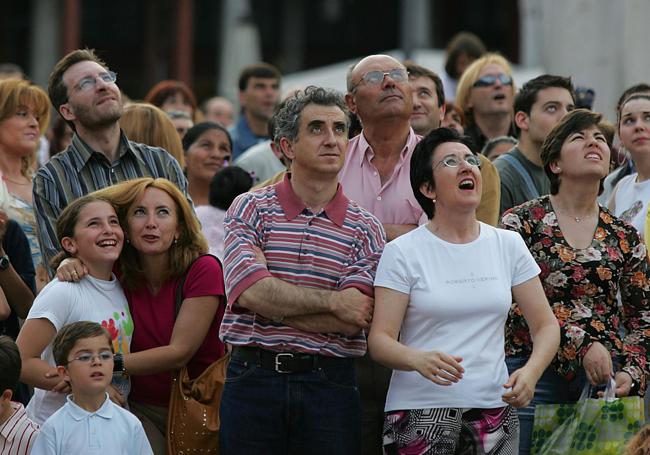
(393, 202)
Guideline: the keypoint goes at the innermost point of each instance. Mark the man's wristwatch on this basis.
(4, 262)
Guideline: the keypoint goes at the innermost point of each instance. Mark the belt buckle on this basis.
(278, 361)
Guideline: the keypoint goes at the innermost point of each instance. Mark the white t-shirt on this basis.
(460, 295)
(89, 300)
(631, 201)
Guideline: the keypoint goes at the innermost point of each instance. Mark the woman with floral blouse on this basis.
(586, 256)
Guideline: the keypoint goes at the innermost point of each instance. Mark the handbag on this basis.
(591, 426)
(193, 418)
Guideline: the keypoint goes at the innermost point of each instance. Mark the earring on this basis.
(433, 200)
(128, 241)
(175, 240)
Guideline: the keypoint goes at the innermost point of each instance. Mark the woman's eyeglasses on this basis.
(454, 161)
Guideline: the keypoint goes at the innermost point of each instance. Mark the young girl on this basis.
(88, 229)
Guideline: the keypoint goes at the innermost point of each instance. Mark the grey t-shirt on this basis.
(513, 186)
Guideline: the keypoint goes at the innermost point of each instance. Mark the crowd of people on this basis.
(409, 267)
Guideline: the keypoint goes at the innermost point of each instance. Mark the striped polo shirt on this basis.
(335, 249)
(18, 433)
(81, 170)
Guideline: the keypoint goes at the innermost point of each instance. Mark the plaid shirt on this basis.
(81, 170)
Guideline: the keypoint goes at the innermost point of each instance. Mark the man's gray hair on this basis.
(287, 118)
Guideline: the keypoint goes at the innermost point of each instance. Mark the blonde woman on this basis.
(24, 116)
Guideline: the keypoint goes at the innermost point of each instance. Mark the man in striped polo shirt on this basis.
(300, 260)
(83, 91)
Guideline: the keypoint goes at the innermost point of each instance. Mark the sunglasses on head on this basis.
(491, 79)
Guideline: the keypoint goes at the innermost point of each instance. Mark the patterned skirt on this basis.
(452, 431)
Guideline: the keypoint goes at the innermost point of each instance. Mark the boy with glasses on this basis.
(89, 422)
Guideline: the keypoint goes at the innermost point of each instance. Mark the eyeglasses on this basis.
(454, 161)
(103, 356)
(490, 79)
(88, 83)
(377, 77)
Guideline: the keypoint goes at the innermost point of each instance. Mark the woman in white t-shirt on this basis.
(87, 229)
(442, 295)
(631, 197)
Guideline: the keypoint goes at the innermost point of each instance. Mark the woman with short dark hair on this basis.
(442, 295)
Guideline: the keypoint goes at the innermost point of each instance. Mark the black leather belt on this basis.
(288, 362)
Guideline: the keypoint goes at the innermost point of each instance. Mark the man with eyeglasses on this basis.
(376, 169)
(485, 93)
(540, 104)
(84, 92)
(376, 174)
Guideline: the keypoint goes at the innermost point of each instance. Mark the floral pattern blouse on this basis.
(581, 287)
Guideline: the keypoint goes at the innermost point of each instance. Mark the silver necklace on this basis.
(577, 219)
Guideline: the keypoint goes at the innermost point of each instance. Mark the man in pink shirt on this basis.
(376, 174)
(377, 164)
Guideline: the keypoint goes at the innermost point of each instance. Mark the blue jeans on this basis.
(551, 389)
(265, 412)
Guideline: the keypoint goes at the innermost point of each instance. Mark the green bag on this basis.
(591, 426)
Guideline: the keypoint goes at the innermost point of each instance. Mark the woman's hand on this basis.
(597, 363)
(115, 395)
(522, 384)
(623, 384)
(62, 386)
(71, 269)
(438, 367)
